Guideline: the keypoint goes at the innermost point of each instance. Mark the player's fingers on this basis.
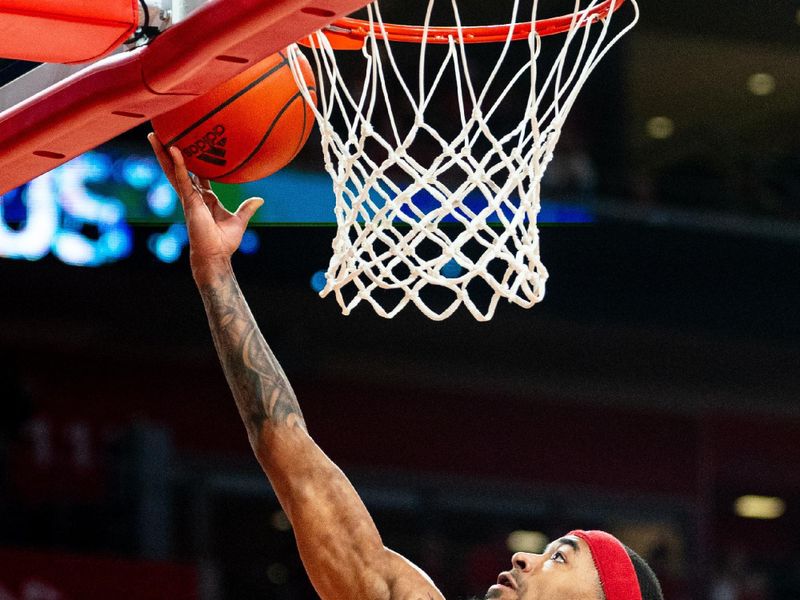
(197, 185)
(248, 208)
(204, 185)
(161, 156)
(183, 183)
(209, 197)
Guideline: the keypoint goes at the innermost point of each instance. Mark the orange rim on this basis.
(350, 34)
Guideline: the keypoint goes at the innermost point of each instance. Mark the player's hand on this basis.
(214, 232)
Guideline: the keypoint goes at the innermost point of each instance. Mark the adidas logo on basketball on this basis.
(210, 148)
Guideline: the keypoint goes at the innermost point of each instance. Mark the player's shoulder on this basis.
(407, 581)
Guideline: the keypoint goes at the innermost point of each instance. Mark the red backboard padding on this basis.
(217, 42)
(55, 31)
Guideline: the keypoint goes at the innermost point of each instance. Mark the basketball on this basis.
(245, 129)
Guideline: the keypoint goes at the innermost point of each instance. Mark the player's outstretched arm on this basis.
(338, 541)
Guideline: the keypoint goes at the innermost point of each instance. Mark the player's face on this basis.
(564, 571)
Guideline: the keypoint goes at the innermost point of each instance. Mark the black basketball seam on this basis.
(231, 99)
(302, 133)
(267, 134)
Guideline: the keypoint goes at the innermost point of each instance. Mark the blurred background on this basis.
(655, 392)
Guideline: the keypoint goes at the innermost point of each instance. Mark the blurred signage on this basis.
(62, 213)
(83, 213)
(51, 576)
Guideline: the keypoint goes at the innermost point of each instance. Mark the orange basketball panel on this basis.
(183, 119)
(283, 138)
(55, 31)
(246, 128)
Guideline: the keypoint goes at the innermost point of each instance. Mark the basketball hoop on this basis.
(352, 34)
(458, 225)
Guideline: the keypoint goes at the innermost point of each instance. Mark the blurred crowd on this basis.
(249, 550)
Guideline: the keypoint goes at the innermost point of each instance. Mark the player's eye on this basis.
(558, 557)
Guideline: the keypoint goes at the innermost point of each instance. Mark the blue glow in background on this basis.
(84, 213)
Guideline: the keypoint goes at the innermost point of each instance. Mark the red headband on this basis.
(617, 575)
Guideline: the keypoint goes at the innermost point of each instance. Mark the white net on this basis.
(437, 183)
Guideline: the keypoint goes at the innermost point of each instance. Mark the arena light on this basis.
(526, 541)
(759, 507)
(318, 281)
(660, 128)
(761, 84)
(280, 521)
(250, 242)
(278, 574)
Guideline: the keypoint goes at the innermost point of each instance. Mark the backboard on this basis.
(56, 112)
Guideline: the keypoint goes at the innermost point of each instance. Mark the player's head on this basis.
(583, 565)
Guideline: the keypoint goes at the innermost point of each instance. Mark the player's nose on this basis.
(525, 561)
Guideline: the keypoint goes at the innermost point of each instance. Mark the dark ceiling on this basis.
(773, 21)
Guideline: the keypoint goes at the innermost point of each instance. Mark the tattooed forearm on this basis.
(259, 385)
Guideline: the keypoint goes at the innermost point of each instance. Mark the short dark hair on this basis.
(648, 582)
